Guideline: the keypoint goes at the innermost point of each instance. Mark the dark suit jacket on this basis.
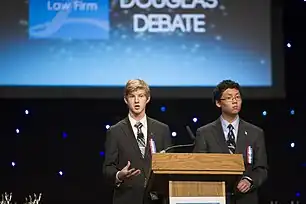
(210, 139)
(120, 147)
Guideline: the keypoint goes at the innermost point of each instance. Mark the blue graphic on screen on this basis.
(104, 43)
(75, 19)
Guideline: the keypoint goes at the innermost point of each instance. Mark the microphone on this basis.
(191, 135)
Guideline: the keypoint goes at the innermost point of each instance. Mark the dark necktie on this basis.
(140, 138)
(231, 139)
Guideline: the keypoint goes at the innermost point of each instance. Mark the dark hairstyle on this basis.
(222, 86)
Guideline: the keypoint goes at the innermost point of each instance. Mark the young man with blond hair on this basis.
(128, 147)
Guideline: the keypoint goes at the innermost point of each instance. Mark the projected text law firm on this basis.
(74, 5)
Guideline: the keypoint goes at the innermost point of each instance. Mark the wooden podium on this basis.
(194, 177)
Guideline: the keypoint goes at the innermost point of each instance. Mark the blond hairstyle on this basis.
(135, 85)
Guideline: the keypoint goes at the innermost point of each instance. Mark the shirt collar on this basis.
(142, 120)
(225, 124)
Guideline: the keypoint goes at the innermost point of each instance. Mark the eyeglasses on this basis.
(230, 98)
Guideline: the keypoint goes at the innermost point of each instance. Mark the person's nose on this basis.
(136, 99)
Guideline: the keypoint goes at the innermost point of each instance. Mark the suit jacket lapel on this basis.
(149, 132)
(148, 157)
(241, 138)
(219, 135)
(127, 129)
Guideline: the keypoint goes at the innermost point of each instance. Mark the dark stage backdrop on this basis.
(68, 136)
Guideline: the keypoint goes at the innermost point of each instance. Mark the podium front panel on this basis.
(196, 192)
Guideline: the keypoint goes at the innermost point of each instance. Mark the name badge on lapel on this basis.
(249, 155)
(152, 146)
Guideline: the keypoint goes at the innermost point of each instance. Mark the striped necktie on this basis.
(140, 138)
(231, 139)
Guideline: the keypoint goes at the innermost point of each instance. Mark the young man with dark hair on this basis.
(230, 134)
(128, 147)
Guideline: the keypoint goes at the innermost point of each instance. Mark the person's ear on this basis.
(148, 99)
(218, 103)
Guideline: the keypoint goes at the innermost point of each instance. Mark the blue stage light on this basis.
(292, 112)
(65, 135)
(163, 109)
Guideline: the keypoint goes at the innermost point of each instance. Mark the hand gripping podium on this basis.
(195, 177)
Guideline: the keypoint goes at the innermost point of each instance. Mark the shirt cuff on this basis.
(249, 179)
(118, 181)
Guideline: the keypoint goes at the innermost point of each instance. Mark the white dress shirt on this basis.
(225, 128)
(144, 128)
